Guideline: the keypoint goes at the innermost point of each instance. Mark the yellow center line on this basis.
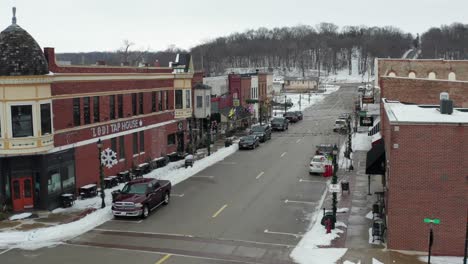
(163, 259)
(219, 211)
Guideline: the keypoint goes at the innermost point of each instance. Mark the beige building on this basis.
(299, 84)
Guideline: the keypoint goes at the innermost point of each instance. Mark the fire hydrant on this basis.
(328, 225)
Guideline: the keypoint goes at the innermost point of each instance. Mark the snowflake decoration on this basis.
(108, 158)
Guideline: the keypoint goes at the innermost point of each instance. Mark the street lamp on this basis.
(101, 173)
(208, 138)
(334, 179)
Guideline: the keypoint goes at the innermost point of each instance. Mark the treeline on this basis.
(323, 47)
(447, 42)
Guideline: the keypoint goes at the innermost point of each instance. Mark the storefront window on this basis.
(179, 101)
(21, 118)
(54, 181)
(68, 177)
(46, 124)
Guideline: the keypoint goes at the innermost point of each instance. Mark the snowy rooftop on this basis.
(404, 113)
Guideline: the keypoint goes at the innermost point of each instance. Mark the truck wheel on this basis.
(167, 198)
(145, 212)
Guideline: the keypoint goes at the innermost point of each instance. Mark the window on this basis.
(134, 104)
(187, 99)
(142, 141)
(86, 111)
(171, 139)
(208, 99)
(431, 76)
(178, 99)
(68, 177)
(166, 99)
(135, 143)
(46, 123)
(199, 101)
(140, 102)
(412, 75)
(54, 184)
(114, 144)
(153, 102)
(452, 76)
(120, 105)
(122, 147)
(21, 118)
(112, 107)
(160, 102)
(96, 112)
(76, 112)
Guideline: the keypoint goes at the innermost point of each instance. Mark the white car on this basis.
(317, 164)
(340, 125)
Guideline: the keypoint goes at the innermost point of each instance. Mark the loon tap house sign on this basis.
(117, 127)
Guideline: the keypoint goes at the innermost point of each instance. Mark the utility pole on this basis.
(335, 179)
(101, 174)
(208, 130)
(285, 107)
(349, 145)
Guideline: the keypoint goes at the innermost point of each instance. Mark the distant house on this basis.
(299, 84)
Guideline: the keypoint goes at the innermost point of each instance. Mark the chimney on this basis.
(446, 105)
(100, 63)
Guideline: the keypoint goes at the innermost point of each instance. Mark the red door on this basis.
(22, 193)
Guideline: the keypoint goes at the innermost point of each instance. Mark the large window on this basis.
(179, 100)
(141, 104)
(21, 118)
(142, 141)
(46, 123)
(166, 99)
(112, 107)
(199, 101)
(96, 113)
(134, 104)
(135, 143)
(122, 147)
(171, 139)
(76, 112)
(160, 102)
(153, 102)
(120, 105)
(114, 144)
(54, 181)
(86, 110)
(187, 99)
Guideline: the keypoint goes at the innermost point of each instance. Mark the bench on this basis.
(88, 191)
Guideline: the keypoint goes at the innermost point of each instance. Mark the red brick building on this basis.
(53, 115)
(427, 167)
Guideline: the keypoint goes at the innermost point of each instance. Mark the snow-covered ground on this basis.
(443, 260)
(20, 216)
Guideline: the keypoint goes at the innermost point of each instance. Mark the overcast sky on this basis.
(102, 25)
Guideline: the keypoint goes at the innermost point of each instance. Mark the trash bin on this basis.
(67, 200)
(328, 215)
(345, 186)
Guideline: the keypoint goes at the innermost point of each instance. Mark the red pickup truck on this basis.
(140, 196)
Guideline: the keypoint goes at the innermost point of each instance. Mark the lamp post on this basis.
(101, 173)
(350, 144)
(334, 178)
(208, 138)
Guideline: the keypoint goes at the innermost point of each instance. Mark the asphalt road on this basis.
(252, 207)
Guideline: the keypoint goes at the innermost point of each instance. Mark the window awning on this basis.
(375, 162)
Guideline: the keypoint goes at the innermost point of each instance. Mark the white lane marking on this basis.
(177, 195)
(304, 180)
(227, 163)
(284, 153)
(203, 177)
(127, 221)
(303, 202)
(5, 251)
(133, 232)
(282, 233)
(299, 140)
(260, 175)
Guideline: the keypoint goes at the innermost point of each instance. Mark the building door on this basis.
(22, 193)
(180, 142)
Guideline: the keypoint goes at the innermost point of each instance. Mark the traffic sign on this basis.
(432, 221)
(334, 188)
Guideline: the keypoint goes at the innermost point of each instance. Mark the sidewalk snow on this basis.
(376, 242)
(308, 250)
(361, 141)
(442, 260)
(370, 215)
(43, 237)
(20, 216)
(374, 261)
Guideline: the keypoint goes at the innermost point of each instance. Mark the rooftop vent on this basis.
(446, 105)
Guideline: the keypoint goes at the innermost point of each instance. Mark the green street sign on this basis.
(432, 221)
(363, 113)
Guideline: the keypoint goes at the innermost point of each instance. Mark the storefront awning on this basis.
(375, 162)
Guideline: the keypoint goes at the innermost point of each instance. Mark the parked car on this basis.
(250, 141)
(317, 164)
(139, 197)
(299, 114)
(262, 132)
(279, 123)
(340, 125)
(345, 116)
(291, 116)
(324, 149)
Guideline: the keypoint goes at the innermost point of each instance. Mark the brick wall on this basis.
(421, 91)
(426, 178)
(245, 88)
(422, 68)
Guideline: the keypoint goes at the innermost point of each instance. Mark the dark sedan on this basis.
(279, 123)
(299, 114)
(262, 132)
(249, 142)
(291, 116)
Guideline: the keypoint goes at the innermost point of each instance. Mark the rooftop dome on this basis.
(19, 52)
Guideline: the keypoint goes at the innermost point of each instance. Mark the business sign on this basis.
(366, 121)
(368, 100)
(117, 127)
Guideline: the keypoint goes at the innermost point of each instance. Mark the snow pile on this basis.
(308, 250)
(20, 216)
(442, 260)
(376, 242)
(44, 237)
